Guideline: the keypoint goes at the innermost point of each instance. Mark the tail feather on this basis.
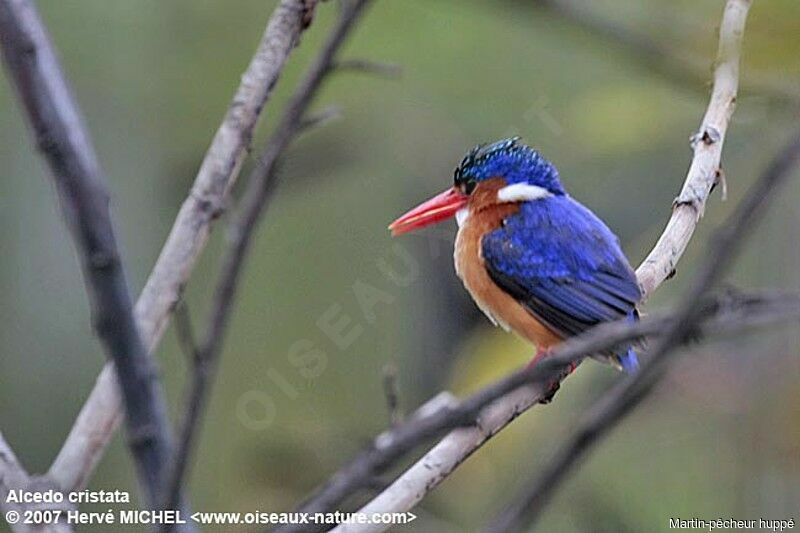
(628, 361)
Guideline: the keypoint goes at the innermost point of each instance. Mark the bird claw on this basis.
(555, 385)
(551, 393)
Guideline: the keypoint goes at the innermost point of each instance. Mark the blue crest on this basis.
(510, 160)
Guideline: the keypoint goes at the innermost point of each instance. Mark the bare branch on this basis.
(259, 187)
(14, 477)
(707, 143)
(434, 466)
(628, 394)
(9, 468)
(65, 144)
(492, 406)
(100, 415)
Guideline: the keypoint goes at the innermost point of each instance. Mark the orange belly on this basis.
(498, 305)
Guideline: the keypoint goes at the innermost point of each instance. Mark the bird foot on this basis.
(551, 392)
(555, 384)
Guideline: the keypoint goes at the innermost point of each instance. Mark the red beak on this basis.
(439, 208)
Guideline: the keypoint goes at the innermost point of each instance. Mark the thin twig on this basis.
(392, 394)
(65, 144)
(259, 186)
(437, 464)
(99, 417)
(628, 394)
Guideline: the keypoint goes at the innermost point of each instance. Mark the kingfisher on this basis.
(535, 260)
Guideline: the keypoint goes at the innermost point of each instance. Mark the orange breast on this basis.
(485, 215)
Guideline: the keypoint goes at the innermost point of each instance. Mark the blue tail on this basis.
(629, 361)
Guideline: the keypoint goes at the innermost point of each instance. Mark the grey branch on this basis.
(260, 185)
(628, 394)
(100, 415)
(14, 477)
(64, 141)
(482, 412)
(436, 465)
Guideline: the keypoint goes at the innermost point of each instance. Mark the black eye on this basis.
(468, 186)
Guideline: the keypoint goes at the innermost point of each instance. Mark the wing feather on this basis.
(563, 264)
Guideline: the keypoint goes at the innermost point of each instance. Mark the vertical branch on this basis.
(260, 185)
(64, 142)
(705, 170)
(100, 415)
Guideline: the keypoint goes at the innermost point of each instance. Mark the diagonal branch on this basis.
(260, 185)
(65, 144)
(628, 394)
(439, 462)
(100, 415)
(721, 315)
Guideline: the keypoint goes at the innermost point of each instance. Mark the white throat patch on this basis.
(522, 192)
(462, 215)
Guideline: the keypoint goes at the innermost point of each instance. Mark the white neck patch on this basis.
(522, 192)
(462, 215)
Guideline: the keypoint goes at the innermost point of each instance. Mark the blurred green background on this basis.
(721, 438)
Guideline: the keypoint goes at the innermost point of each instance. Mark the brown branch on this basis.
(64, 141)
(628, 394)
(437, 464)
(100, 415)
(259, 187)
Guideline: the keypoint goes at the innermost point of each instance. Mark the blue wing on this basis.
(563, 264)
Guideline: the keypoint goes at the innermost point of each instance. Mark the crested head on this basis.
(510, 160)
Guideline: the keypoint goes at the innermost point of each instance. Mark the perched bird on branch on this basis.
(536, 261)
